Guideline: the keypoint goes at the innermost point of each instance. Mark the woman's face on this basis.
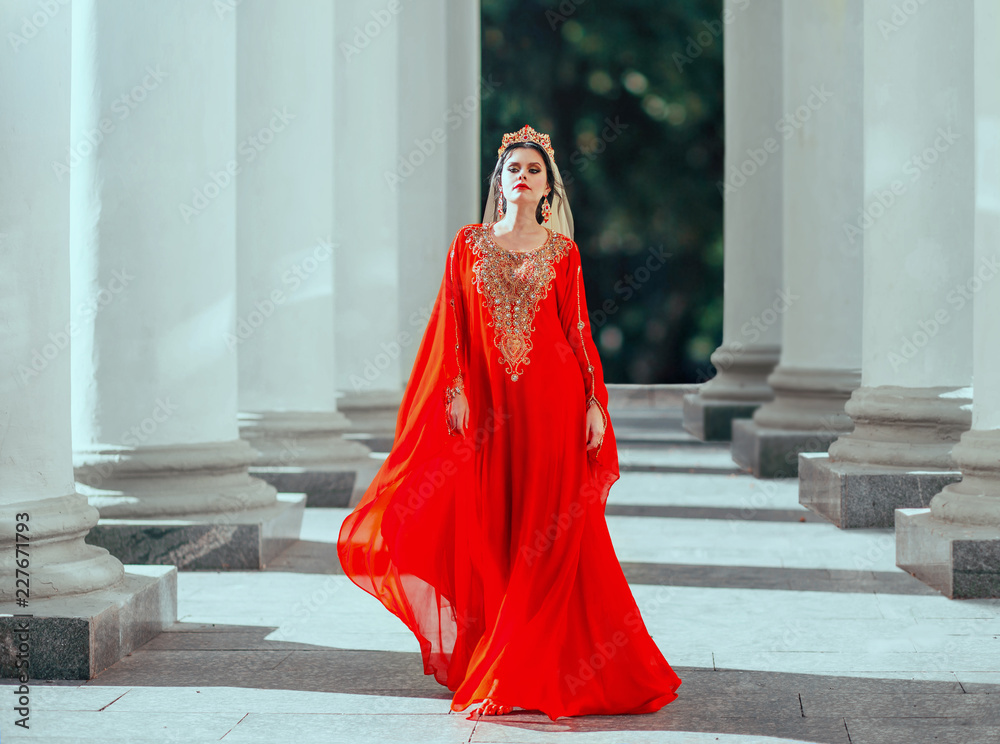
(524, 180)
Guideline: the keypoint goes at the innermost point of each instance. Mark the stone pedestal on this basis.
(78, 636)
(373, 416)
(241, 540)
(305, 453)
(853, 495)
(736, 392)
(899, 455)
(752, 197)
(954, 545)
(806, 416)
(962, 561)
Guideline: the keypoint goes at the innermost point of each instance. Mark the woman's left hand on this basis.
(595, 426)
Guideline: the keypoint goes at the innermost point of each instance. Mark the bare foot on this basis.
(491, 707)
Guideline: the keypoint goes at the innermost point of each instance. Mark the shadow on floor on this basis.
(814, 708)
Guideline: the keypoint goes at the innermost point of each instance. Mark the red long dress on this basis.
(493, 547)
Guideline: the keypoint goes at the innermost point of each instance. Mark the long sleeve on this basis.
(576, 326)
(454, 322)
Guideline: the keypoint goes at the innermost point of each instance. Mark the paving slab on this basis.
(694, 458)
(781, 630)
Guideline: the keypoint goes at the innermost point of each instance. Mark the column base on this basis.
(310, 439)
(372, 416)
(323, 487)
(247, 539)
(854, 495)
(959, 560)
(773, 453)
(77, 636)
(712, 420)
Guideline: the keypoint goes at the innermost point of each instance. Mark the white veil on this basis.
(561, 220)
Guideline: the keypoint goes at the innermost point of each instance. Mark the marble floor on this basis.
(783, 628)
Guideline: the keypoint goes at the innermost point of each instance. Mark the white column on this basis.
(915, 394)
(36, 470)
(976, 498)
(823, 188)
(953, 545)
(438, 144)
(467, 88)
(369, 337)
(916, 225)
(752, 194)
(409, 98)
(284, 198)
(154, 232)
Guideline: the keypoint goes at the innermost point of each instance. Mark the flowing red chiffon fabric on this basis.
(493, 547)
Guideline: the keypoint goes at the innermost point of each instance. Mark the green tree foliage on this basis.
(631, 92)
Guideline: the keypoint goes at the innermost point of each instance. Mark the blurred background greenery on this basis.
(631, 93)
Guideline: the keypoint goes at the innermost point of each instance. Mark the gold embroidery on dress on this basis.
(457, 384)
(512, 285)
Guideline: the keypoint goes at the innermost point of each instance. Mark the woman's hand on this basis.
(458, 413)
(595, 426)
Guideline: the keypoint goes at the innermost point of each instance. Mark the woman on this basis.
(484, 529)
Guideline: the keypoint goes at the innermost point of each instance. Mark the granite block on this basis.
(244, 540)
(79, 635)
(712, 420)
(853, 495)
(374, 442)
(773, 453)
(323, 487)
(959, 560)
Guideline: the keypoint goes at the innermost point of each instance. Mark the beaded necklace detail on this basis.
(512, 285)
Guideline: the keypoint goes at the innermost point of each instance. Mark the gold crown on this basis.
(527, 134)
